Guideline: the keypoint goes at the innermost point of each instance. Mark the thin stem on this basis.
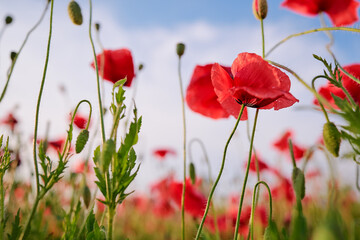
(292, 153)
(184, 153)
(111, 214)
(39, 100)
(21, 47)
(262, 37)
(311, 31)
(2, 206)
(320, 103)
(246, 177)
(254, 205)
(38, 197)
(219, 175)
(357, 177)
(217, 233)
(97, 76)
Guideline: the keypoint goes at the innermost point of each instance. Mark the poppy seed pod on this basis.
(8, 20)
(74, 11)
(260, 9)
(180, 49)
(332, 138)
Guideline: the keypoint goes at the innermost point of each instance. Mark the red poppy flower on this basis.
(283, 190)
(10, 120)
(163, 152)
(79, 121)
(117, 65)
(350, 85)
(195, 201)
(57, 144)
(255, 84)
(221, 221)
(282, 145)
(200, 94)
(341, 12)
(262, 165)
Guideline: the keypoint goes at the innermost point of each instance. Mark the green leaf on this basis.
(16, 228)
(81, 140)
(96, 157)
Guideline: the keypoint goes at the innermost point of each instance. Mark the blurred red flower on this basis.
(350, 85)
(79, 121)
(200, 94)
(341, 12)
(57, 144)
(284, 190)
(117, 65)
(255, 84)
(283, 146)
(195, 201)
(10, 120)
(161, 153)
(262, 165)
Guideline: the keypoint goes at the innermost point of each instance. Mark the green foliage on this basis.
(16, 228)
(271, 232)
(71, 223)
(93, 231)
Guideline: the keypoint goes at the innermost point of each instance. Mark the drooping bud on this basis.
(180, 49)
(192, 173)
(74, 11)
(86, 196)
(8, 20)
(298, 180)
(332, 138)
(81, 140)
(271, 231)
(13, 56)
(260, 9)
(97, 26)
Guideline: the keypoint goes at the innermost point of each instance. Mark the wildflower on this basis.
(282, 145)
(341, 12)
(254, 83)
(79, 121)
(350, 85)
(262, 165)
(117, 65)
(200, 94)
(161, 153)
(11, 121)
(195, 201)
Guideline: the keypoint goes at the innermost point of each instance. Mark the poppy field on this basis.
(94, 179)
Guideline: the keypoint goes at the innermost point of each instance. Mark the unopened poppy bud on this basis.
(141, 66)
(8, 20)
(97, 26)
(332, 138)
(271, 231)
(13, 56)
(180, 49)
(81, 140)
(298, 180)
(74, 11)
(192, 173)
(86, 196)
(260, 9)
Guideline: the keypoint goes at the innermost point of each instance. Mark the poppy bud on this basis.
(192, 173)
(86, 196)
(260, 9)
(180, 49)
(74, 11)
(141, 66)
(298, 180)
(81, 140)
(13, 56)
(332, 138)
(97, 26)
(8, 20)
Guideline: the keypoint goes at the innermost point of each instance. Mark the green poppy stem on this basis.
(198, 234)
(246, 177)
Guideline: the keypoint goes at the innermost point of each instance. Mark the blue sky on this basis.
(213, 31)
